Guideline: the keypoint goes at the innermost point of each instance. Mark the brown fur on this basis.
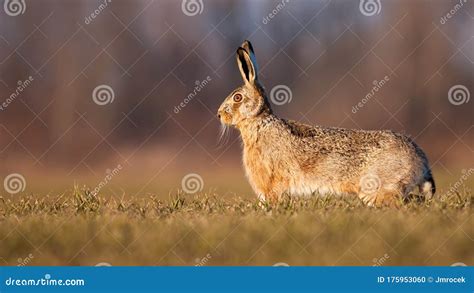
(286, 157)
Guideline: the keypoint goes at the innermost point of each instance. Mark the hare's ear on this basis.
(246, 66)
(249, 48)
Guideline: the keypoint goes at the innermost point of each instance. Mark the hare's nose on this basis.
(218, 115)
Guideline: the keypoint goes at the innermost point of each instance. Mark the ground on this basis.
(79, 228)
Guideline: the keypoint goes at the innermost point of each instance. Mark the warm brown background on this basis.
(151, 54)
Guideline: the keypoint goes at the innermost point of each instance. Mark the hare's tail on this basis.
(428, 186)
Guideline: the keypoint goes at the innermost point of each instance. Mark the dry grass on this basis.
(84, 229)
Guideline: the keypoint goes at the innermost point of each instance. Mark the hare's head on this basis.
(249, 100)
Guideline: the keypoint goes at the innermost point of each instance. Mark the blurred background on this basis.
(125, 92)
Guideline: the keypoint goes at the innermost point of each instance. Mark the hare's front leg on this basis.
(264, 186)
(266, 200)
(269, 197)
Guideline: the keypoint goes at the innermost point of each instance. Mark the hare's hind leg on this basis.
(387, 195)
(389, 198)
(380, 198)
(427, 188)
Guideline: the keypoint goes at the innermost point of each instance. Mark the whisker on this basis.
(227, 135)
(223, 136)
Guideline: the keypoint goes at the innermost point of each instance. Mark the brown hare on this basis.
(286, 157)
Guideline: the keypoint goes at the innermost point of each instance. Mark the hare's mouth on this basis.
(224, 118)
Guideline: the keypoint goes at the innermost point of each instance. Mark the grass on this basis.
(79, 228)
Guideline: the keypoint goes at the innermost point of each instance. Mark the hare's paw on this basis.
(367, 198)
(268, 198)
(380, 199)
(261, 197)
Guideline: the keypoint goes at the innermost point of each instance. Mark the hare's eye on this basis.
(237, 98)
